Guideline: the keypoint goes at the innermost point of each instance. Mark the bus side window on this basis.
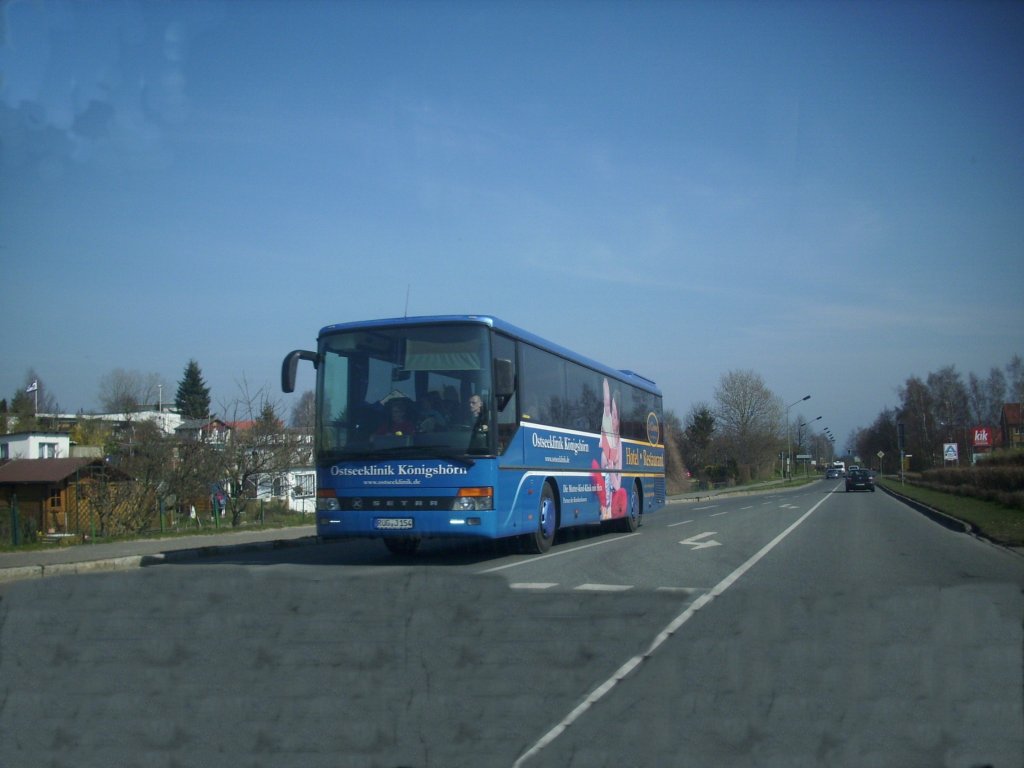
(508, 422)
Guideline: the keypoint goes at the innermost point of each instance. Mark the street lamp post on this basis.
(789, 438)
(800, 436)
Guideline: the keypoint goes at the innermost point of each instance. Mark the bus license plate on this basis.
(392, 523)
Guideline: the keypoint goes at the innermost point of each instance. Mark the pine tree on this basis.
(193, 398)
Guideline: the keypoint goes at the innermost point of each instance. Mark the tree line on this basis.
(940, 408)
(746, 434)
(128, 391)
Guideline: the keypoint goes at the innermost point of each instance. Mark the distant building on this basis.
(35, 445)
(168, 421)
(296, 487)
(213, 431)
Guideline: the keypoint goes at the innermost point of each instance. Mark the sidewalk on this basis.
(85, 558)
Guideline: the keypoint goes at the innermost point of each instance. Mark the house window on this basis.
(305, 484)
(55, 498)
(278, 487)
(47, 450)
(4, 452)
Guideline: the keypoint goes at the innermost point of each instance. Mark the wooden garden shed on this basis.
(50, 491)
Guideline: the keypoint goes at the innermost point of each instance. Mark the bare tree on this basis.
(147, 456)
(748, 417)
(304, 412)
(917, 415)
(259, 448)
(987, 397)
(880, 437)
(1015, 379)
(950, 399)
(124, 391)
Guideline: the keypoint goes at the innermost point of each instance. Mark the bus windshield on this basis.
(405, 391)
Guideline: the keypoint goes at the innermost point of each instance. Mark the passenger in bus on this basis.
(398, 422)
(469, 414)
(476, 408)
(431, 418)
(476, 421)
(450, 405)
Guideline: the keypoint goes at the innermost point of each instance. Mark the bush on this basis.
(997, 480)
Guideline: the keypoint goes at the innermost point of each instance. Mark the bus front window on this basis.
(437, 378)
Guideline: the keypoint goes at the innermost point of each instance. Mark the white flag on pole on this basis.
(33, 387)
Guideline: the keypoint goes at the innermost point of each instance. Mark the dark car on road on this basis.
(860, 480)
(831, 474)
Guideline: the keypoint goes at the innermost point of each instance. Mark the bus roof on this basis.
(628, 377)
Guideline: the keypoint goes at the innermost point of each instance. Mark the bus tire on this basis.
(631, 521)
(540, 540)
(406, 545)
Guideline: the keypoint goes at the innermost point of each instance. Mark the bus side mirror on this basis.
(504, 378)
(291, 364)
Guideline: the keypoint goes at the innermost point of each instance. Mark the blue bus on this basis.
(466, 426)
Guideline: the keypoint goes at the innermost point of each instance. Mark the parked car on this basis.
(859, 480)
(832, 473)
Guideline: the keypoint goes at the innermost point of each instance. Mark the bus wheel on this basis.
(407, 545)
(543, 536)
(631, 521)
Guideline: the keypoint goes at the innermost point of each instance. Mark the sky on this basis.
(828, 194)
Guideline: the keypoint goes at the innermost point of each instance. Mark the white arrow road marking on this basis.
(696, 543)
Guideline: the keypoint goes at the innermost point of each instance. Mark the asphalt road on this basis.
(801, 628)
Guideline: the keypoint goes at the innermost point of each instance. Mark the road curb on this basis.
(20, 573)
(128, 562)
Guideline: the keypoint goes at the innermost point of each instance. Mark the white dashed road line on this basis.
(604, 587)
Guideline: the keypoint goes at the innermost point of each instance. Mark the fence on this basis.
(29, 523)
(17, 528)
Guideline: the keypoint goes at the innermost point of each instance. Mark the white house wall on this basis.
(28, 445)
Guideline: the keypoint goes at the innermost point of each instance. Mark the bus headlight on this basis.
(473, 499)
(327, 501)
